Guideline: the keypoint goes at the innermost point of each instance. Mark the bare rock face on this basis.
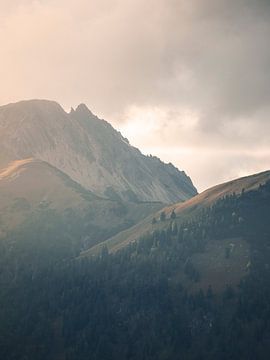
(90, 151)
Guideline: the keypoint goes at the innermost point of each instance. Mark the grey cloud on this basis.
(208, 57)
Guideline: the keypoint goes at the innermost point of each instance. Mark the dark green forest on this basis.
(137, 303)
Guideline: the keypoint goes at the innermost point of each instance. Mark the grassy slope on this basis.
(183, 211)
(29, 187)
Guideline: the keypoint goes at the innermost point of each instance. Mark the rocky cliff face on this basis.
(89, 150)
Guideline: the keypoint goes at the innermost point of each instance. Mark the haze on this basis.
(188, 81)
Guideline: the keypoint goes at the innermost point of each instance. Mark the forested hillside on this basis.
(154, 299)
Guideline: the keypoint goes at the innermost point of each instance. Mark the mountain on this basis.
(94, 262)
(90, 151)
(184, 211)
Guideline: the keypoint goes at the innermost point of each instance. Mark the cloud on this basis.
(196, 71)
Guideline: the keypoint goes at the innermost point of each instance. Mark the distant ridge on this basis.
(88, 150)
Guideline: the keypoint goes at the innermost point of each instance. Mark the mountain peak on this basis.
(89, 150)
(82, 109)
(33, 104)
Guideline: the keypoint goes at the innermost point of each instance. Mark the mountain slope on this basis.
(184, 211)
(89, 151)
(34, 195)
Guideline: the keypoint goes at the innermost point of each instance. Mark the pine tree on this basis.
(162, 216)
(173, 215)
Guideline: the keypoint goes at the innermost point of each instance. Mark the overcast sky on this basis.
(186, 80)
